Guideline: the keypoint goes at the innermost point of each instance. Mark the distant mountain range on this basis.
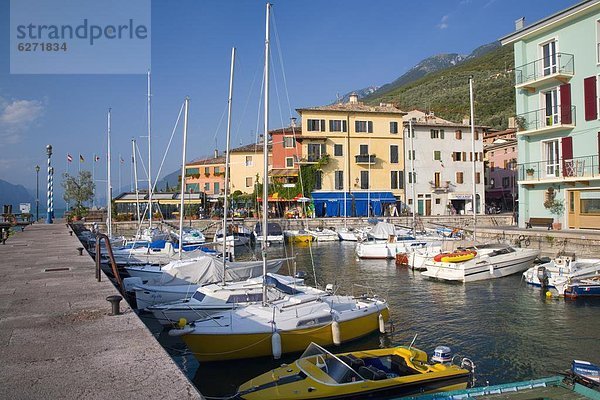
(15, 194)
(364, 92)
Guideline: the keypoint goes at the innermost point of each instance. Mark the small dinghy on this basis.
(380, 373)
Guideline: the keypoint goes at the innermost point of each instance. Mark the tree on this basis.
(78, 190)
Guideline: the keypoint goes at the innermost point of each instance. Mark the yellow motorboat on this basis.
(380, 373)
(298, 236)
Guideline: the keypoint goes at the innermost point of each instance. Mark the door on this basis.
(552, 158)
(427, 206)
(551, 108)
(549, 58)
(420, 207)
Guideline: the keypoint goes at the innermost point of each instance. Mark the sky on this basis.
(319, 49)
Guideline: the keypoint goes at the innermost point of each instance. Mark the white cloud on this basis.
(443, 22)
(16, 117)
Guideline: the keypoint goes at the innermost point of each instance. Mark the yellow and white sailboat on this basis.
(287, 325)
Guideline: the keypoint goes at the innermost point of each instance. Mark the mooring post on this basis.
(114, 301)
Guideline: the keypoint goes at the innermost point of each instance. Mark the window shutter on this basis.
(344, 126)
(441, 133)
(454, 156)
(565, 104)
(400, 179)
(356, 126)
(567, 155)
(322, 125)
(589, 94)
(323, 150)
(464, 156)
(370, 126)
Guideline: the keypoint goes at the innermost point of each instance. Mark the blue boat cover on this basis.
(357, 204)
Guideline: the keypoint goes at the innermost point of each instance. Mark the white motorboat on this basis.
(191, 236)
(563, 266)
(490, 261)
(417, 258)
(237, 234)
(323, 235)
(274, 232)
(347, 234)
(213, 298)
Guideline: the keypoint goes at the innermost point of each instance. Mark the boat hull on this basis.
(299, 238)
(219, 347)
(582, 290)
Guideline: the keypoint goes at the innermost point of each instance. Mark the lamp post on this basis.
(49, 189)
(37, 193)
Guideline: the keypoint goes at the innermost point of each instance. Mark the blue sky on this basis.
(327, 47)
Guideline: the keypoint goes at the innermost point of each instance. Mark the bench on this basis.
(539, 221)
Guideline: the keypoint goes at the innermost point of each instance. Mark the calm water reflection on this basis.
(510, 330)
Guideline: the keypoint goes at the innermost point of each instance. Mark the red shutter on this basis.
(589, 95)
(567, 155)
(565, 104)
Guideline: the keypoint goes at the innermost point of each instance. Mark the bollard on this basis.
(80, 250)
(70, 233)
(114, 302)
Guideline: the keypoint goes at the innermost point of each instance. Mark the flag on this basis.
(81, 158)
(96, 158)
(69, 157)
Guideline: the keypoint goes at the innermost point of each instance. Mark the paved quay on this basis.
(57, 337)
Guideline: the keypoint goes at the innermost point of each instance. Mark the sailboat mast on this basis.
(474, 199)
(108, 184)
(181, 203)
(265, 201)
(149, 157)
(135, 180)
(412, 170)
(226, 186)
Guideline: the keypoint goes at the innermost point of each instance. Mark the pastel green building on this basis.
(557, 62)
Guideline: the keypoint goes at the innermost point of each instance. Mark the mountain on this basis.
(362, 93)
(15, 194)
(446, 91)
(171, 179)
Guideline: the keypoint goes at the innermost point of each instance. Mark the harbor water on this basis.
(510, 330)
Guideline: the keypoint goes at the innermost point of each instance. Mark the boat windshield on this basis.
(330, 364)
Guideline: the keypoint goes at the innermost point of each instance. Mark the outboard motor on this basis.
(542, 276)
(442, 354)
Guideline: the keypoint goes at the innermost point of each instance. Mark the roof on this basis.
(356, 107)
(511, 131)
(250, 148)
(421, 118)
(207, 161)
(500, 143)
(297, 130)
(550, 20)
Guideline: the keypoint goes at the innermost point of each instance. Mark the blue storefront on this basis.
(357, 204)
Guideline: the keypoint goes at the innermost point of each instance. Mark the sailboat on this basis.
(286, 325)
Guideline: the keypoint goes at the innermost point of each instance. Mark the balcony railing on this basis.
(556, 118)
(365, 158)
(587, 167)
(543, 68)
(441, 187)
(314, 159)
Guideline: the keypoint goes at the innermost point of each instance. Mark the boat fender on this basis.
(276, 345)
(336, 333)
(381, 324)
(181, 323)
(491, 269)
(181, 331)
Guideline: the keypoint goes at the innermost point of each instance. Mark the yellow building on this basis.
(363, 146)
(246, 164)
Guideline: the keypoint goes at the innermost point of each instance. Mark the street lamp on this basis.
(37, 193)
(49, 204)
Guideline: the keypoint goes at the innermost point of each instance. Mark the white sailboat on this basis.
(286, 325)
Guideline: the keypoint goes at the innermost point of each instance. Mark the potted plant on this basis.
(556, 207)
(530, 172)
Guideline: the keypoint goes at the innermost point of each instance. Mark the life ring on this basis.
(457, 256)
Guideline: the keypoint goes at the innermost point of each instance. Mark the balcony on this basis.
(535, 74)
(568, 171)
(365, 159)
(440, 187)
(542, 121)
(321, 159)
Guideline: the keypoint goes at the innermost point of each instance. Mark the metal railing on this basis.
(545, 118)
(578, 167)
(444, 186)
(365, 158)
(561, 63)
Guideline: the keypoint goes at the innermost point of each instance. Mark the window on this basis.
(289, 162)
(476, 134)
(438, 200)
(337, 125)
(478, 177)
(363, 150)
(206, 186)
(410, 133)
(437, 179)
(492, 166)
(505, 182)
(318, 180)
(549, 58)
(288, 142)
(412, 177)
(397, 179)
(338, 150)
(393, 127)
(339, 180)
(411, 154)
(589, 202)
(206, 171)
(363, 126)
(192, 171)
(217, 189)
(457, 156)
(315, 125)
(458, 134)
(192, 187)
(364, 179)
(437, 155)
(315, 151)
(550, 101)
(459, 177)
(248, 161)
(551, 150)
(394, 154)
(217, 170)
(437, 133)
(248, 181)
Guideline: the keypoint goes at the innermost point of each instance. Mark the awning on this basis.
(283, 172)
(358, 204)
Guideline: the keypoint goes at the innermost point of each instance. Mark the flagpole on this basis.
(120, 163)
(68, 174)
(94, 180)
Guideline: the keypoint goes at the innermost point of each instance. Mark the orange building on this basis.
(286, 151)
(206, 175)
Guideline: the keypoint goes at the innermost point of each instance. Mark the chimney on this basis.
(512, 123)
(353, 99)
(293, 122)
(520, 24)
(466, 121)
(216, 153)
